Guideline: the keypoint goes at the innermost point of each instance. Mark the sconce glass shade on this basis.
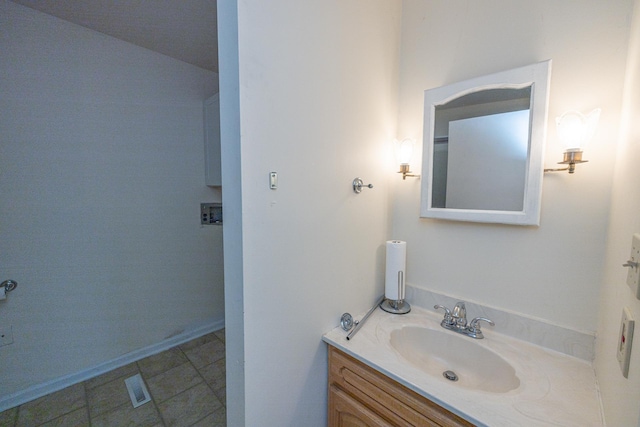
(404, 153)
(575, 129)
(404, 150)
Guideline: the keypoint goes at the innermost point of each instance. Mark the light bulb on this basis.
(404, 151)
(575, 129)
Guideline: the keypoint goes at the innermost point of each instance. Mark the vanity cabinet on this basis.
(360, 396)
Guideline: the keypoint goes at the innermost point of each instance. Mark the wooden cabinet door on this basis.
(345, 411)
(361, 396)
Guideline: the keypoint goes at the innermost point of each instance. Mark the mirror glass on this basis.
(483, 147)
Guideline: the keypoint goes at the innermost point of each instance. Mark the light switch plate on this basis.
(633, 273)
(625, 340)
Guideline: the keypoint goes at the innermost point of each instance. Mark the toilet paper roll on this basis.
(395, 270)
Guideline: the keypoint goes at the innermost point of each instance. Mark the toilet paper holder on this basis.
(399, 306)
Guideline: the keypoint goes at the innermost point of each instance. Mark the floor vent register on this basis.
(137, 390)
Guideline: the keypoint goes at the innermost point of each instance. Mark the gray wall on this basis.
(101, 176)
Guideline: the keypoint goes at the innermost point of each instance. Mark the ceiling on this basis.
(182, 29)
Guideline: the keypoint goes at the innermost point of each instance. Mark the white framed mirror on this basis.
(483, 147)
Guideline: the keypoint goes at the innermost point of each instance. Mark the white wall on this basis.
(552, 272)
(101, 176)
(317, 104)
(232, 208)
(620, 396)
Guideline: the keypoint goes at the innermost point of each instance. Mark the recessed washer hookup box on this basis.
(211, 213)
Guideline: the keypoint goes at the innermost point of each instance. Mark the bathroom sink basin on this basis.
(466, 363)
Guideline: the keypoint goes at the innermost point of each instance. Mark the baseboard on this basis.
(39, 390)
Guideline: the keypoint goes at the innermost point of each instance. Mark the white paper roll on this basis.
(395, 270)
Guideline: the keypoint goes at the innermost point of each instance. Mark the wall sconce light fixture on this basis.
(404, 154)
(575, 130)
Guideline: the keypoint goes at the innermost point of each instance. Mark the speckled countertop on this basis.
(555, 389)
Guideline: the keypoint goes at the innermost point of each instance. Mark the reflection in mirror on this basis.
(481, 141)
(483, 147)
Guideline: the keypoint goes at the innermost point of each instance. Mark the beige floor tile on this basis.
(174, 381)
(217, 419)
(161, 362)
(107, 397)
(176, 378)
(214, 375)
(222, 364)
(198, 341)
(220, 334)
(124, 371)
(189, 406)
(8, 417)
(78, 418)
(206, 353)
(221, 394)
(51, 406)
(126, 415)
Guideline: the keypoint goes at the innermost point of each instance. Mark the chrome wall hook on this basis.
(9, 285)
(358, 184)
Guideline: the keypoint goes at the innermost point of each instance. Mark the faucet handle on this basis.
(474, 326)
(447, 314)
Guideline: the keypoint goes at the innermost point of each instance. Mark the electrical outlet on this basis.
(6, 335)
(625, 340)
(633, 273)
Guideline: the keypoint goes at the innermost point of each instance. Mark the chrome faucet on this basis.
(456, 321)
(459, 315)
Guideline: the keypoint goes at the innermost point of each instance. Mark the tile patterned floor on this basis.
(186, 383)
